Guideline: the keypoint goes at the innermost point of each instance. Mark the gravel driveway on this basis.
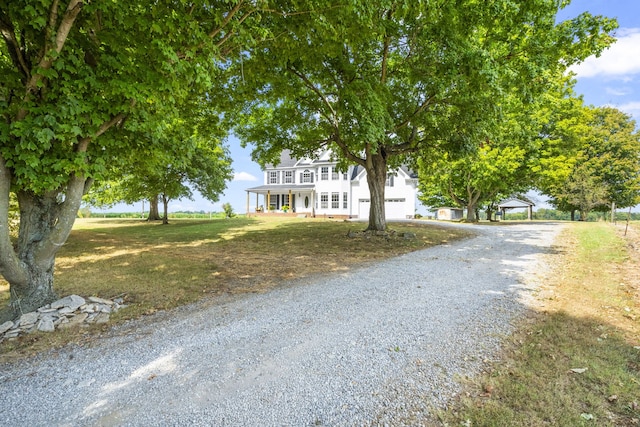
(378, 345)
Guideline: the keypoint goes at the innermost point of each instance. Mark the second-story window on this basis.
(324, 173)
(273, 177)
(307, 176)
(334, 174)
(288, 177)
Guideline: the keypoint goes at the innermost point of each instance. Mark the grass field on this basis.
(576, 360)
(159, 267)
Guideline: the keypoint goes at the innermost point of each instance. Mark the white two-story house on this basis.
(315, 187)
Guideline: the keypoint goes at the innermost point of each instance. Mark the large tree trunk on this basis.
(45, 223)
(472, 204)
(376, 177)
(154, 213)
(165, 204)
(471, 213)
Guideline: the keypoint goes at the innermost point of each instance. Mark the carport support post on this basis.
(530, 213)
(248, 202)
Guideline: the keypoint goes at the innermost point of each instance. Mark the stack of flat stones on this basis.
(65, 313)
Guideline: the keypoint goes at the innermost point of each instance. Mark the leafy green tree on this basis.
(228, 210)
(584, 191)
(378, 82)
(487, 173)
(193, 158)
(73, 75)
(590, 150)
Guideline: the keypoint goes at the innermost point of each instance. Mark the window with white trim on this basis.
(345, 200)
(307, 176)
(335, 200)
(345, 176)
(288, 177)
(334, 174)
(324, 173)
(324, 200)
(273, 177)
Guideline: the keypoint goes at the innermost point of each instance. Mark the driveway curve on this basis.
(374, 345)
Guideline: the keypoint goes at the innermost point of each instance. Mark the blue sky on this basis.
(612, 79)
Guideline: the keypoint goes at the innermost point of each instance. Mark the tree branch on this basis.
(385, 52)
(68, 19)
(332, 117)
(83, 144)
(227, 19)
(66, 216)
(10, 266)
(9, 36)
(418, 110)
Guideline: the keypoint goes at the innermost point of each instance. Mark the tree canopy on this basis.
(590, 158)
(73, 76)
(377, 82)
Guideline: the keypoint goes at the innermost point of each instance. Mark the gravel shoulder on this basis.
(364, 347)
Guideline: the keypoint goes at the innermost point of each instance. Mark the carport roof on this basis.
(514, 203)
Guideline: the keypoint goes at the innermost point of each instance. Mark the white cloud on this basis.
(632, 108)
(244, 176)
(620, 60)
(619, 91)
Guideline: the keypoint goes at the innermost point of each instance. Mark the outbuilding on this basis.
(449, 214)
(514, 203)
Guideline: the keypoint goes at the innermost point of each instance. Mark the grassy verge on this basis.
(576, 361)
(156, 267)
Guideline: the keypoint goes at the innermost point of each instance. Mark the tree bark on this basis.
(154, 213)
(165, 203)
(45, 223)
(376, 169)
(471, 212)
(472, 204)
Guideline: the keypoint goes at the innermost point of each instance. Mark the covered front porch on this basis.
(281, 199)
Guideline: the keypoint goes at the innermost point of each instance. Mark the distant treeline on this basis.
(86, 213)
(552, 214)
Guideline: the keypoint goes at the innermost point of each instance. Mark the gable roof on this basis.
(287, 161)
(513, 203)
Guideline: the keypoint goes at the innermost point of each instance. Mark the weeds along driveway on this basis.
(375, 345)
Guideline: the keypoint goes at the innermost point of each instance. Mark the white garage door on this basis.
(393, 208)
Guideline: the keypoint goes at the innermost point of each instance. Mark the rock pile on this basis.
(64, 313)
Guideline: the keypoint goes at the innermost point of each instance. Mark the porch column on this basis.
(257, 201)
(530, 213)
(248, 203)
(290, 204)
(268, 200)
